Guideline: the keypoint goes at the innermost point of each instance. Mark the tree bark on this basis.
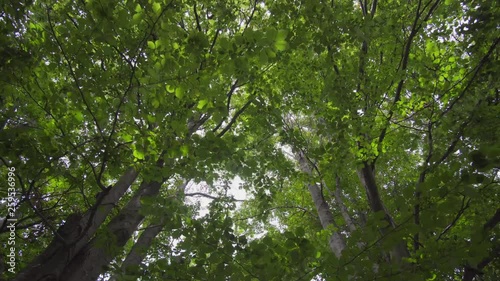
(343, 209)
(141, 246)
(139, 250)
(367, 179)
(76, 231)
(93, 259)
(336, 242)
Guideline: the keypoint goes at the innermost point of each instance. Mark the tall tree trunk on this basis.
(367, 178)
(143, 243)
(74, 234)
(336, 242)
(139, 250)
(343, 209)
(93, 259)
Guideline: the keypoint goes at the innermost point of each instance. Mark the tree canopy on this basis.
(366, 135)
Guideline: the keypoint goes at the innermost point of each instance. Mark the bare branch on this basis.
(465, 206)
(198, 26)
(211, 196)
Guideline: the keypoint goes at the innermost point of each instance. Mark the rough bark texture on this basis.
(76, 232)
(81, 259)
(93, 259)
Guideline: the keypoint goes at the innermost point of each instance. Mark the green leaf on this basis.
(281, 45)
(156, 103)
(151, 118)
(179, 92)
(202, 104)
(127, 137)
(300, 232)
(156, 7)
(263, 57)
(281, 35)
(138, 154)
(151, 45)
(270, 53)
(170, 88)
(184, 150)
(79, 116)
(137, 18)
(318, 254)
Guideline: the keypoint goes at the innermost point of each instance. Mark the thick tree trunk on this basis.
(76, 232)
(93, 259)
(77, 258)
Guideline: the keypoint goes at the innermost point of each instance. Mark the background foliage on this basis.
(292, 97)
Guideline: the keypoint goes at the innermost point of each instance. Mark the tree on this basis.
(364, 132)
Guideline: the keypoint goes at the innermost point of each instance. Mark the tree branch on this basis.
(211, 196)
(236, 115)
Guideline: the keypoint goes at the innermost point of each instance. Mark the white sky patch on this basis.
(234, 189)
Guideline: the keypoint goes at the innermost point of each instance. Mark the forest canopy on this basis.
(365, 135)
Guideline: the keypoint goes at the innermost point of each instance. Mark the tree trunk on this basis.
(76, 232)
(139, 250)
(141, 246)
(367, 178)
(336, 242)
(94, 258)
(343, 209)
